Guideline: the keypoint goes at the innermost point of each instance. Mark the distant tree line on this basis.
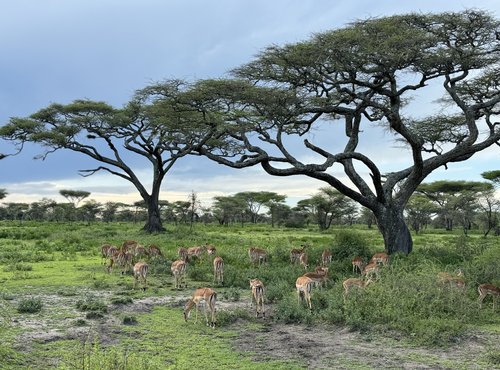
(440, 204)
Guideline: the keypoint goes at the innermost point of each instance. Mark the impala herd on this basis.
(131, 256)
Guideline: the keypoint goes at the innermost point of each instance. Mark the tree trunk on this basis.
(392, 225)
(153, 225)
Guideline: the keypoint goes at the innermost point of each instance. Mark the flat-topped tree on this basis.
(365, 74)
(152, 126)
(74, 196)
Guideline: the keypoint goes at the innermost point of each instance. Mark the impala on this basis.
(178, 269)
(373, 268)
(348, 284)
(183, 253)
(453, 280)
(104, 251)
(326, 257)
(320, 276)
(139, 251)
(122, 259)
(209, 297)
(484, 290)
(128, 245)
(257, 255)
(194, 252)
(303, 260)
(304, 286)
(140, 274)
(258, 296)
(380, 258)
(154, 251)
(357, 264)
(219, 270)
(295, 254)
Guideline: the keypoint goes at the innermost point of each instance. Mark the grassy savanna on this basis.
(59, 308)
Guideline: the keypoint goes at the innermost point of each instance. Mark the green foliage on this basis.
(91, 303)
(29, 305)
(129, 320)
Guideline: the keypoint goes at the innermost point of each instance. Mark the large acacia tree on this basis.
(365, 74)
(153, 126)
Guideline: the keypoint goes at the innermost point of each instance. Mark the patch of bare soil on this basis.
(339, 348)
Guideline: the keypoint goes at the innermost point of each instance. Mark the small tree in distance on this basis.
(74, 196)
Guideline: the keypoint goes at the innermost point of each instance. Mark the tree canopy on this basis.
(153, 126)
(365, 74)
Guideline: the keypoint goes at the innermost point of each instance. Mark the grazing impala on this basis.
(139, 252)
(104, 252)
(140, 274)
(484, 290)
(348, 284)
(303, 260)
(194, 252)
(373, 268)
(320, 276)
(455, 281)
(257, 255)
(122, 259)
(209, 296)
(183, 253)
(295, 254)
(211, 250)
(304, 286)
(258, 296)
(219, 270)
(154, 251)
(357, 264)
(178, 269)
(326, 257)
(380, 259)
(129, 246)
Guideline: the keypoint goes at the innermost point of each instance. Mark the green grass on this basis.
(63, 260)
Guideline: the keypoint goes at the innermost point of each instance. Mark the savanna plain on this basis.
(61, 308)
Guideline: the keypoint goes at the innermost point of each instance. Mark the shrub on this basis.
(231, 294)
(129, 320)
(29, 305)
(225, 317)
(91, 304)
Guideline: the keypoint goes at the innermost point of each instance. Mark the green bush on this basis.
(91, 303)
(29, 305)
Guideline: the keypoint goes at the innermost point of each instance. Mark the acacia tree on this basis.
(74, 196)
(365, 74)
(454, 199)
(152, 126)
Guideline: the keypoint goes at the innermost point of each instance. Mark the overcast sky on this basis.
(61, 50)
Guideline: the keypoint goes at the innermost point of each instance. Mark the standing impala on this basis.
(219, 270)
(326, 257)
(370, 270)
(348, 284)
(484, 290)
(357, 264)
(304, 286)
(303, 260)
(295, 254)
(380, 258)
(257, 255)
(178, 269)
(209, 297)
(320, 276)
(258, 296)
(140, 274)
